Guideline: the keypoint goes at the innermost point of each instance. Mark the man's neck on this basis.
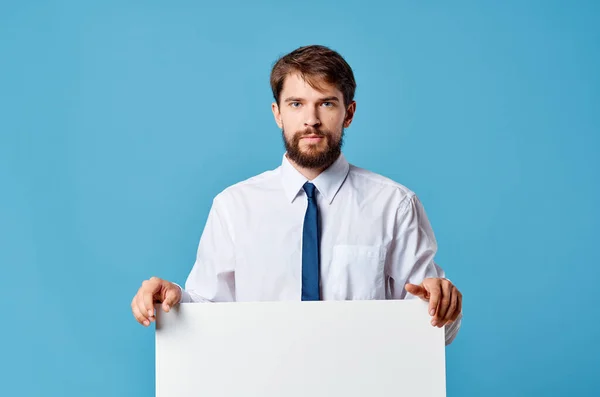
(308, 173)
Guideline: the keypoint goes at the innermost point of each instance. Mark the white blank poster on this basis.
(299, 349)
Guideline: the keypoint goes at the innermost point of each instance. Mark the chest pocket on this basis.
(357, 272)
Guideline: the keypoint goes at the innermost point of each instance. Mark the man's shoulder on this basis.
(262, 182)
(372, 180)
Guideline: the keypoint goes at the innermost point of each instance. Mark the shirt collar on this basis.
(328, 182)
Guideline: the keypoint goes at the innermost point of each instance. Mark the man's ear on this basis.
(349, 114)
(276, 114)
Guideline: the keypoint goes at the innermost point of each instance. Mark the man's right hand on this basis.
(152, 291)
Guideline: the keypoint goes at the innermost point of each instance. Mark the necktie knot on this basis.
(309, 188)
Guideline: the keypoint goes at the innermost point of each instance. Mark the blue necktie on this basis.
(310, 247)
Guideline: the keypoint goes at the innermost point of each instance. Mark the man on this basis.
(317, 227)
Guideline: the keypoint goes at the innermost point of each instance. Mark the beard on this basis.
(314, 156)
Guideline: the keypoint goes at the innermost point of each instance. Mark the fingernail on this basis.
(150, 312)
(146, 323)
(431, 312)
(167, 308)
(433, 323)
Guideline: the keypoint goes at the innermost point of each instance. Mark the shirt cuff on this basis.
(451, 330)
(185, 296)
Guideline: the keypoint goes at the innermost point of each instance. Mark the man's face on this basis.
(312, 121)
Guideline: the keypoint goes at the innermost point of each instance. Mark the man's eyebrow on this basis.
(326, 99)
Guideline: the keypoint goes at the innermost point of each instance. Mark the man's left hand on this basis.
(445, 300)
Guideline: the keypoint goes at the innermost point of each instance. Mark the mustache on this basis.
(311, 131)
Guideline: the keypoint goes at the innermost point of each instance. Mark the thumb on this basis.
(172, 297)
(416, 290)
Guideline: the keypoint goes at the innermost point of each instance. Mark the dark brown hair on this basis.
(316, 64)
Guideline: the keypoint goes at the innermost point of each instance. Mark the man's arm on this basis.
(212, 276)
(411, 261)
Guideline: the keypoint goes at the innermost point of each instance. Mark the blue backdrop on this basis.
(121, 120)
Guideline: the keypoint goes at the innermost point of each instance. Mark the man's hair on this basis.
(315, 64)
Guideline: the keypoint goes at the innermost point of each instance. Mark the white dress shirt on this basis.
(375, 238)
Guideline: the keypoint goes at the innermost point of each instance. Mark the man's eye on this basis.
(293, 104)
(328, 104)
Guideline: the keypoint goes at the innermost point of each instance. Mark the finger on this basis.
(444, 302)
(451, 313)
(434, 298)
(138, 315)
(150, 287)
(171, 298)
(142, 307)
(459, 308)
(416, 290)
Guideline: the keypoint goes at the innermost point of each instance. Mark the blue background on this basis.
(121, 120)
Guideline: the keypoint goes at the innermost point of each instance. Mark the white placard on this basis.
(300, 349)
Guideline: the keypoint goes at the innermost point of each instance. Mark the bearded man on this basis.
(316, 227)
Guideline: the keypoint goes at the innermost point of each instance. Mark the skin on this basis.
(445, 300)
(305, 111)
(315, 117)
(154, 290)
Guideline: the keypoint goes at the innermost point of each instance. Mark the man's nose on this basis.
(312, 118)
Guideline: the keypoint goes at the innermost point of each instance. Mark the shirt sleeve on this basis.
(411, 256)
(212, 278)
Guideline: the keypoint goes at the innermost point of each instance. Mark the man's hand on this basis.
(153, 291)
(445, 301)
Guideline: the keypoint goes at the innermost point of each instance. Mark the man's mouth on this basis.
(312, 138)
